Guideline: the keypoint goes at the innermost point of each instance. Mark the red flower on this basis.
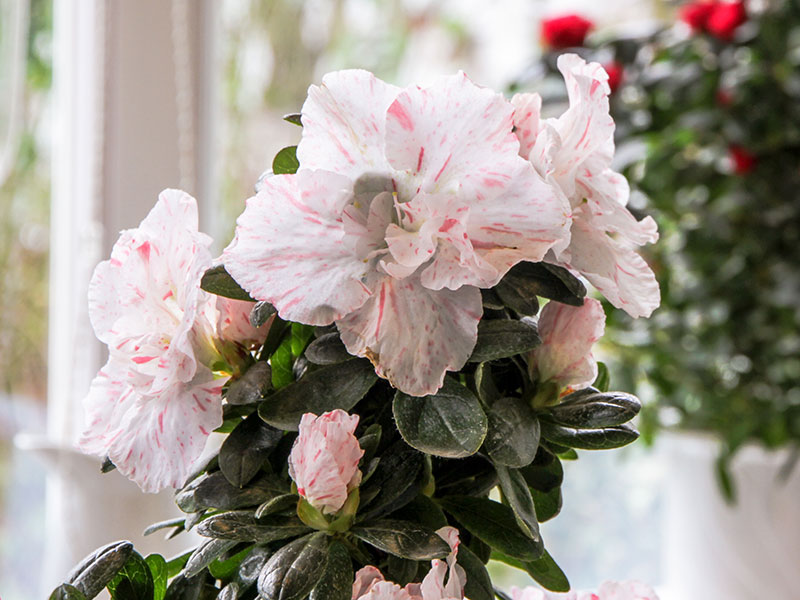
(724, 96)
(565, 32)
(725, 18)
(743, 160)
(616, 74)
(696, 14)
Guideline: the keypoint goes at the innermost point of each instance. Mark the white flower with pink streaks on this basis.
(568, 334)
(407, 201)
(153, 405)
(574, 152)
(609, 590)
(324, 459)
(444, 581)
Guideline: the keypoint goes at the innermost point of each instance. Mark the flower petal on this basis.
(233, 322)
(343, 124)
(568, 334)
(289, 248)
(618, 272)
(414, 335)
(450, 135)
(153, 440)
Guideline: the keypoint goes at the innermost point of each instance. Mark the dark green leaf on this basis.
(217, 280)
(327, 349)
(205, 554)
(293, 571)
(402, 538)
(252, 386)
(294, 118)
(548, 504)
(285, 161)
(501, 338)
(107, 465)
(134, 581)
(158, 569)
(261, 313)
(325, 389)
(590, 409)
(337, 581)
(513, 436)
(515, 293)
(242, 526)
(479, 584)
(589, 439)
(547, 281)
(401, 571)
(491, 300)
(423, 511)
(191, 588)
(67, 592)
(246, 448)
(450, 423)
(251, 566)
(369, 442)
(229, 592)
(214, 491)
(518, 497)
(277, 504)
(396, 480)
(494, 524)
(178, 522)
(485, 385)
(95, 571)
(545, 472)
(544, 570)
(603, 379)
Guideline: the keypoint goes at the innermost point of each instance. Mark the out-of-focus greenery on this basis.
(24, 225)
(722, 354)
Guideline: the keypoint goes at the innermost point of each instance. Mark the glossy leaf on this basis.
(246, 448)
(294, 118)
(151, 529)
(281, 362)
(590, 409)
(423, 511)
(547, 281)
(217, 280)
(301, 334)
(603, 379)
(327, 349)
(494, 523)
(261, 313)
(450, 423)
(321, 390)
(225, 567)
(205, 554)
(544, 570)
(518, 497)
(516, 293)
(251, 387)
(337, 581)
(548, 504)
(502, 338)
(589, 439)
(242, 526)
(513, 436)
(251, 566)
(277, 504)
(545, 472)
(395, 479)
(134, 581)
(294, 570)
(215, 491)
(479, 584)
(285, 161)
(402, 538)
(158, 569)
(67, 592)
(95, 571)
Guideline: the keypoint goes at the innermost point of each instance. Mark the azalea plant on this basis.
(396, 405)
(707, 114)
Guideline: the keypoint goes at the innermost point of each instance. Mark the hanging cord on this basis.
(184, 93)
(18, 61)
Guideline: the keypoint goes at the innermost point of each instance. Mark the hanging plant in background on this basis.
(396, 344)
(707, 114)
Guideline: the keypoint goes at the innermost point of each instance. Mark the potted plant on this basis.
(396, 396)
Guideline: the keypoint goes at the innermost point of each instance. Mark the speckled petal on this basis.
(414, 335)
(289, 248)
(153, 440)
(343, 123)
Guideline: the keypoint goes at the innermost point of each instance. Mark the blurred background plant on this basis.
(708, 133)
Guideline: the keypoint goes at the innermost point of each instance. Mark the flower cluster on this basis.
(414, 234)
(718, 17)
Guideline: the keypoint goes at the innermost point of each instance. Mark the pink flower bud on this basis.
(568, 333)
(324, 459)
